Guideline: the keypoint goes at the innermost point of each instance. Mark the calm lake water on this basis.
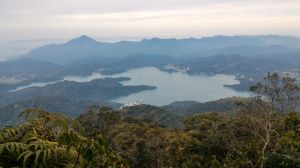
(178, 86)
(89, 78)
(171, 87)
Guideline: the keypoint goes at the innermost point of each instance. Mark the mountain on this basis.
(254, 50)
(170, 115)
(15, 71)
(60, 104)
(97, 90)
(186, 108)
(82, 40)
(108, 65)
(61, 54)
(86, 47)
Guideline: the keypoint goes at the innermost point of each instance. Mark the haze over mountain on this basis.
(247, 58)
(150, 83)
(85, 47)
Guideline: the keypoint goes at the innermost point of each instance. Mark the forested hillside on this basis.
(150, 84)
(260, 132)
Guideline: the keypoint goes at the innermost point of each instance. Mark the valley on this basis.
(150, 84)
(89, 72)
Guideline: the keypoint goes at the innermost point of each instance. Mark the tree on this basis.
(53, 140)
(281, 92)
(207, 145)
(275, 94)
(101, 121)
(287, 151)
(253, 135)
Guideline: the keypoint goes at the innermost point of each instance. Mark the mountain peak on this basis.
(83, 39)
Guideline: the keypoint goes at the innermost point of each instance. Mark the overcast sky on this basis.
(120, 19)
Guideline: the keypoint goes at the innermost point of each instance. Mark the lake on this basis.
(176, 86)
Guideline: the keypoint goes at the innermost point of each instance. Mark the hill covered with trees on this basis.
(260, 132)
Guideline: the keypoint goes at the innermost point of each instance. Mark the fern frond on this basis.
(25, 155)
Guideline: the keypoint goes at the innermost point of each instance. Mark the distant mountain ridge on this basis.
(82, 40)
(248, 58)
(85, 47)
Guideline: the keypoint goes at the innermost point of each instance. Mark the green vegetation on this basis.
(52, 140)
(259, 132)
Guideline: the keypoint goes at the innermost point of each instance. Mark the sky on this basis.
(124, 19)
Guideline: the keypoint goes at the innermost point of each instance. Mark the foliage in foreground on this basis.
(52, 140)
(263, 132)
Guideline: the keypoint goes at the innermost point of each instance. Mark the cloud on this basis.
(140, 18)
